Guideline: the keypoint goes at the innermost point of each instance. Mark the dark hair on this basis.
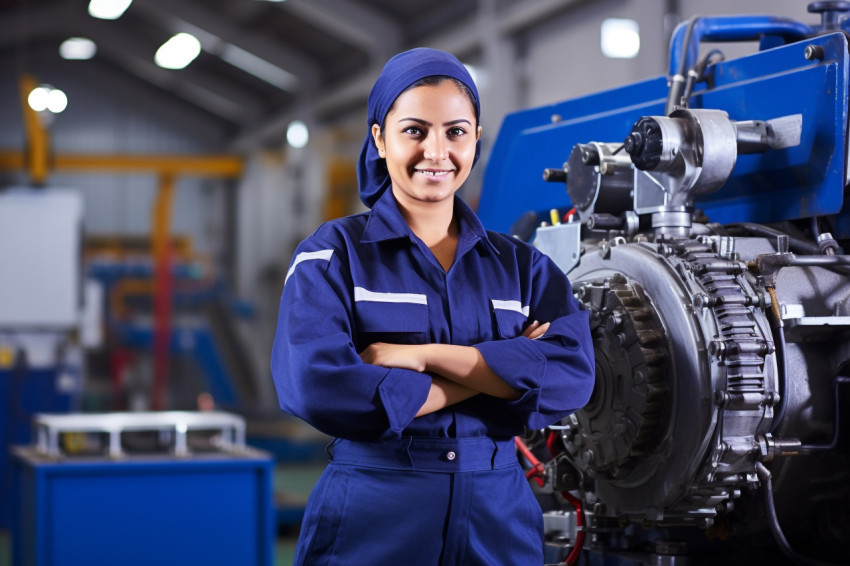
(436, 80)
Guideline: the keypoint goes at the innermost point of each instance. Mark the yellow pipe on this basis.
(200, 165)
(38, 142)
(207, 165)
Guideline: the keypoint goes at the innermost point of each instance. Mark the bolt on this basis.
(717, 349)
(813, 52)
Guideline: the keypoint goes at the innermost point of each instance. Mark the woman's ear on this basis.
(478, 136)
(379, 141)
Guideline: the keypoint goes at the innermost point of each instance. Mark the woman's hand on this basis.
(403, 356)
(535, 330)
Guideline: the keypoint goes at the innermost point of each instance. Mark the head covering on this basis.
(399, 73)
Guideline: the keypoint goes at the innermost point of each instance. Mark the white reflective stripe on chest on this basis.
(305, 256)
(361, 294)
(515, 306)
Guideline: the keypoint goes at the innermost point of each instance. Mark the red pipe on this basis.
(551, 445)
(575, 553)
(537, 468)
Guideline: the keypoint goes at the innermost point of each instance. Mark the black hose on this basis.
(815, 227)
(821, 260)
(782, 371)
(833, 444)
(677, 81)
(705, 61)
(773, 520)
(697, 74)
(796, 245)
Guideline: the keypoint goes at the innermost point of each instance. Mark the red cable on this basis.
(537, 468)
(575, 553)
(550, 443)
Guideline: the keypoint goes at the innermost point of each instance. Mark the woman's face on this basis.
(428, 142)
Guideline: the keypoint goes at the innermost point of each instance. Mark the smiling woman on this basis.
(424, 343)
(430, 143)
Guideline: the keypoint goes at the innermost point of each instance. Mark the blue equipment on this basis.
(142, 488)
(703, 226)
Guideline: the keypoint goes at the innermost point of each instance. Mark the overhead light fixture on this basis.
(45, 97)
(108, 9)
(620, 38)
(77, 48)
(178, 51)
(297, 134)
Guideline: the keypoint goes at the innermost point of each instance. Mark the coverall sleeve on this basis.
(317, 372)
(555, 373)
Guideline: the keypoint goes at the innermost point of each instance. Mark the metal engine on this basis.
(705, 234)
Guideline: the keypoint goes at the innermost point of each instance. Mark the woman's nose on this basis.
(436, 147)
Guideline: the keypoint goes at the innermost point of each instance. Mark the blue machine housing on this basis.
(798, 182)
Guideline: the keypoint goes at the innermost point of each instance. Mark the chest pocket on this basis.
(509, 318)
(395, 318)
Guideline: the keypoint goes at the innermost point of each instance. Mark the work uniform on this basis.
(444, 488)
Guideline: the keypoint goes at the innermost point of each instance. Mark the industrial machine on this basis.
(701, 218)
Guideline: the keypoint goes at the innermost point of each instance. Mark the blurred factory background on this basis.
(149, 207)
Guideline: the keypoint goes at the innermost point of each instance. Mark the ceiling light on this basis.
(77, 48)
(297, 134)
(620, 38)
(56, 101)
(37, 99)
(45, 97)
(108, 9)
(178, 51)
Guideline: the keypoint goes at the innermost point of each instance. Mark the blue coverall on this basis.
(445, 488)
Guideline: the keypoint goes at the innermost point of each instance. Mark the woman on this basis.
(411, 334)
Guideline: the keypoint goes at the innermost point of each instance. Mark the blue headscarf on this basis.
(399, 73)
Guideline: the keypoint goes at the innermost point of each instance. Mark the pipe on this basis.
(677, 79)
(770, 509)
(537, 469)
(796, 245)
(730, 29)
(781, 360)
(833, 444)
(821, 260)
(575, 553)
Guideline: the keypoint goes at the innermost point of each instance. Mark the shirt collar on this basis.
(386, 223)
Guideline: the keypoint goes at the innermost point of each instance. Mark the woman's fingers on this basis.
(535, 330)
(538, 331)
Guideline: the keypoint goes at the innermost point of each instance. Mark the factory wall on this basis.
(106, 117)
(565, 60)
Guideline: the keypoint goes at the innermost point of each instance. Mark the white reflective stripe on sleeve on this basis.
(304, 256)
(361, 294)
(515, 306)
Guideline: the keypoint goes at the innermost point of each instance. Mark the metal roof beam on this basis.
(351, 22)
(464, 38)
(214, 95)
(218, 33)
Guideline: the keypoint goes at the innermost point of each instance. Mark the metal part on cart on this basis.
(175, 425)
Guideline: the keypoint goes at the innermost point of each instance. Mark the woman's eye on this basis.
(455, 132)
(413, 131)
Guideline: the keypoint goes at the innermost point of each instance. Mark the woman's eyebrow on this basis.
(427, 123)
